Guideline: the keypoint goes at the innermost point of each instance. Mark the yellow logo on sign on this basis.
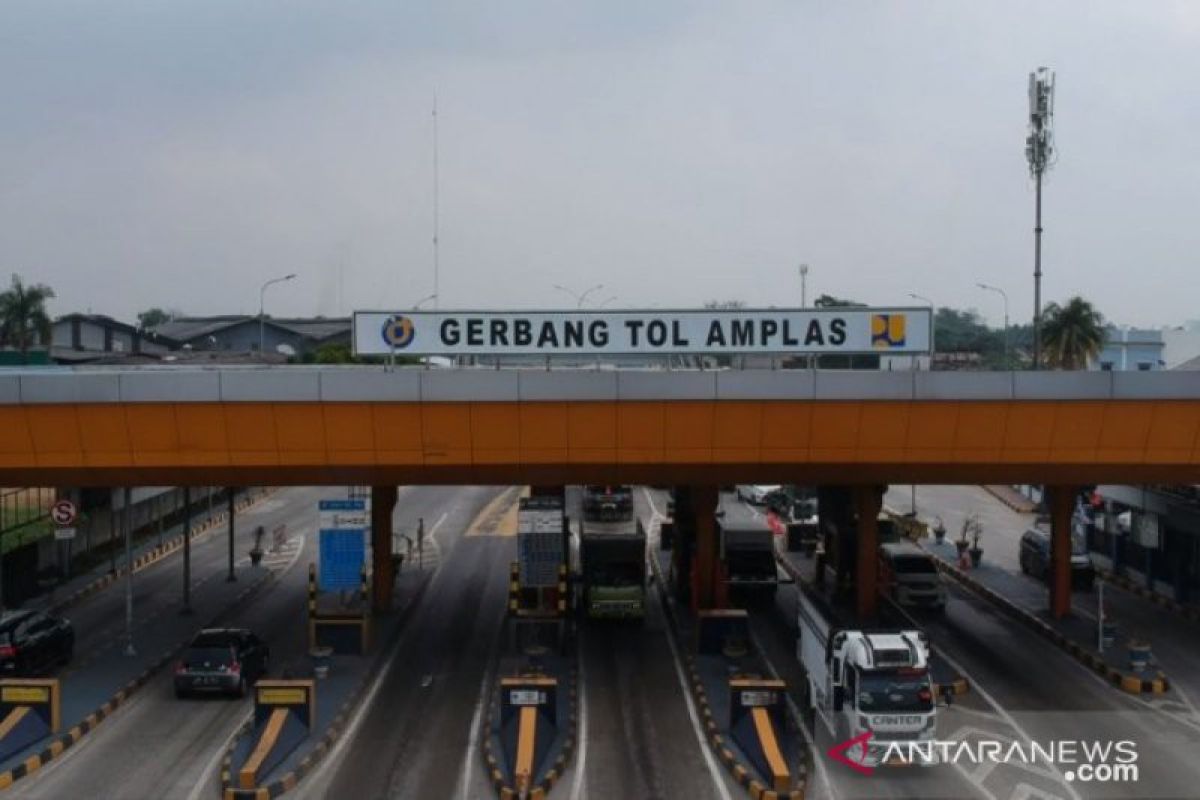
(24, 694)
(887, 331)
(282, 697)
(398, 331)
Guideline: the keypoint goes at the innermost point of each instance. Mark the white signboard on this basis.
(545, 333)
(64, 533)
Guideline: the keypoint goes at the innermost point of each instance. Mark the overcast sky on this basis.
(179, 154)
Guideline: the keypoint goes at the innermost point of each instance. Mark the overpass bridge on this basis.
(701, 429)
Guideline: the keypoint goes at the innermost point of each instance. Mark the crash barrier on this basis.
(1190, 613)
(757, 712)
(284, 714)
(29, 711)
(344, 631)
(1133, 684)
(528, 725)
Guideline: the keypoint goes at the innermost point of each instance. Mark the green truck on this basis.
(612, 559)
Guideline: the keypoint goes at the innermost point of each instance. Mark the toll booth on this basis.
(344, 630)
(284, 714)
(29, 712)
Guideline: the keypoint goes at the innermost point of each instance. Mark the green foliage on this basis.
(1072, 334)
(153, 317)
(23, 317)
(334, 353)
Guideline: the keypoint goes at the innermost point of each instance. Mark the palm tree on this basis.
(1072, 334)
(23, 318)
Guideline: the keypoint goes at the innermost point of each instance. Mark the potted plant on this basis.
(939, 530)
(256, 552)
(961, 543)
(975, 551)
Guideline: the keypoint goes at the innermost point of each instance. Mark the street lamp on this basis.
(417, 305)
(579, 298)
(606, 301)
(1003, 294)
(262, 320)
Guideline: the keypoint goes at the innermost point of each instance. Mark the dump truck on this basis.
(862, 682)
(612, 558)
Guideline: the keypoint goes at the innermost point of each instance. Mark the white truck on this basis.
(860, 681)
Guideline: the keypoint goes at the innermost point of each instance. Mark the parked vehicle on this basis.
(607, 502)
(32, 643)
(756, 494)
(1035, 558)
(910, 577)
(224, 660)
(860, 681)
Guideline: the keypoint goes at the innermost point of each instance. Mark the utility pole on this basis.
(1039, 152)
(1004, 294)
(436, 210)
(187, 551)
(129, 649)
(804, 285)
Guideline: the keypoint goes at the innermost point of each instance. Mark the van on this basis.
(910, 577)
(1035, 558)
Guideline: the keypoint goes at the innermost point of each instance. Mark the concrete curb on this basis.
(1159, 599)
(740, 771)
(61, 743)
(291, 779)
(555, 773)
(1005, 496)
(1132, 684)
(156, 554)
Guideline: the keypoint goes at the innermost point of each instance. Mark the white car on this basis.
(755, 494)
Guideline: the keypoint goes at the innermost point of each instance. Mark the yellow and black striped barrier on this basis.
(284, 713)
(756, 715)
(528, 725)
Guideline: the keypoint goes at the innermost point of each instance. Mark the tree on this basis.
(334, 353)
(1072, 334)
(829, 301)
(153, 317)
(23, 315)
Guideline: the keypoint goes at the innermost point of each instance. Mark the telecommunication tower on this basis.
(1039, 152)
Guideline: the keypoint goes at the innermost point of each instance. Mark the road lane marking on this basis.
(218, 756)
(471, 756)
(582, 741)
(718, 778)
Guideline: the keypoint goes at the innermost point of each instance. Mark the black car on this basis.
(31, 642)
(1035, 558)
(221, 660)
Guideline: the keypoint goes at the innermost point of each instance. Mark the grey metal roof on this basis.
(192, 328)
(226, 383)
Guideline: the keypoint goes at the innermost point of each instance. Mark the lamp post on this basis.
(579, 298)
(417, 305)
(1004, 294)
(262, 320)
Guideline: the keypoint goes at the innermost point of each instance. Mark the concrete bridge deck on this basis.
(311, 425)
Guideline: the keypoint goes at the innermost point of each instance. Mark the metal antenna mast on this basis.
(1039, 152)
(436, 208)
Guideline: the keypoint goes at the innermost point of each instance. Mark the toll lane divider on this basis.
(1187, 612)
(538, 791)
(957, 686)
(1133, 684)
(156, 553)
(289, 780)
(57, 746)
(740, 771)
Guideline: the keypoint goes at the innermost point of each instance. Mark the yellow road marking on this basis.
(499, 517)
(526, 739)
(780, 777)
(10, 722)
(249, 772)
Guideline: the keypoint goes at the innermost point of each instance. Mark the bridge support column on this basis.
(383, 501)
(1062, 508)
(836, 514)
(707, 586)
(868, 500)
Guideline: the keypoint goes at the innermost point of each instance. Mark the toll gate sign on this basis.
(343, 547)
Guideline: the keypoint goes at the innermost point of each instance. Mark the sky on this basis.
(181, 154)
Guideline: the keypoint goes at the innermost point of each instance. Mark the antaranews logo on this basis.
(1078, 760)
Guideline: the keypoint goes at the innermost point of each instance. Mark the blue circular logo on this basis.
(398, 331)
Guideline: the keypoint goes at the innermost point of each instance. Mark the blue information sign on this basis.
(343, 526)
